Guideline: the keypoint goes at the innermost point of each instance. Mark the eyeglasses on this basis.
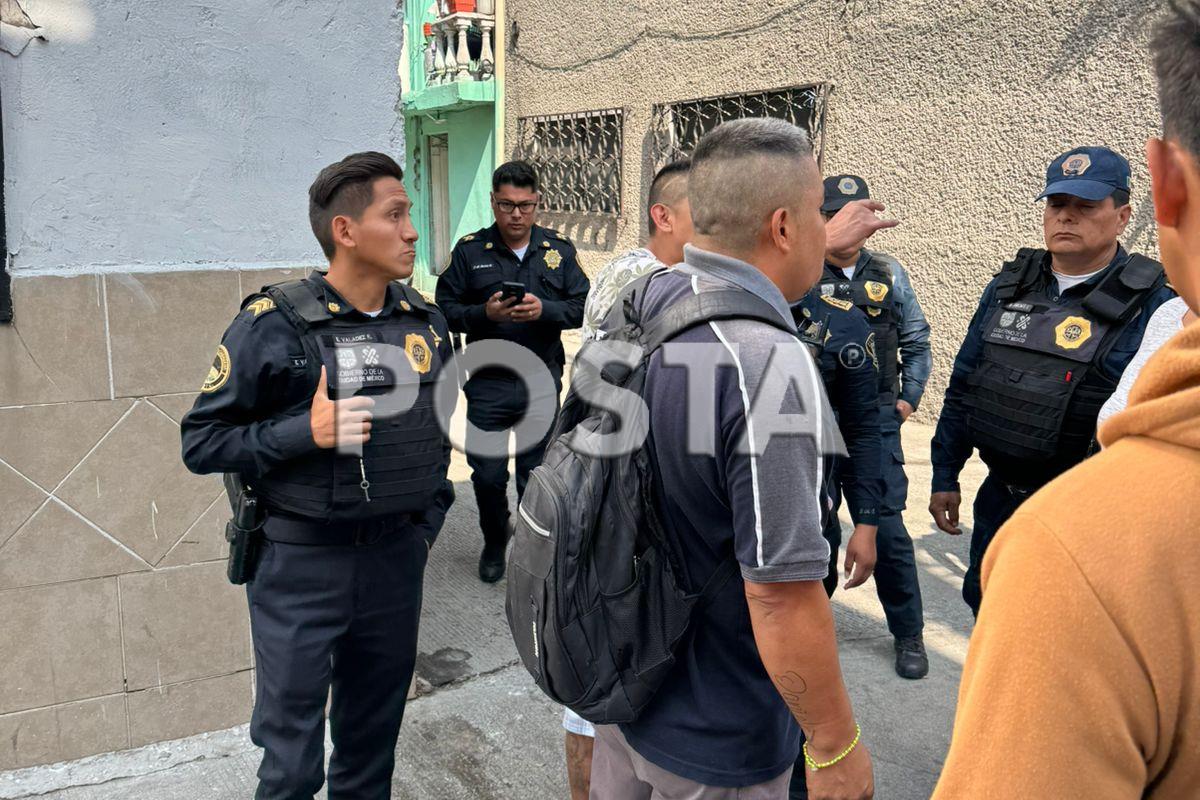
(509, 207)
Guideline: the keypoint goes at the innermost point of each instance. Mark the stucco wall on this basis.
(950, 110)
(153, 134)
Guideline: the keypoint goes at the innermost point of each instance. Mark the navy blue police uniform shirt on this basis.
(849, 369)
(550, 269)
(951, 445)
(253, 413)
(718, 719)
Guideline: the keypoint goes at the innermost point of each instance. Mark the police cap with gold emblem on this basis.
(1092, 173)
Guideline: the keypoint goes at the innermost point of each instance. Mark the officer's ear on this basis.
(1169, 166)
(343, 231)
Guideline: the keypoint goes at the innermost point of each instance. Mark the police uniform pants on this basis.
(994, 504)
(496, 404)
(895, 561)
(341, 617)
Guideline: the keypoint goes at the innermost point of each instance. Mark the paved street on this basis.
(481, 730)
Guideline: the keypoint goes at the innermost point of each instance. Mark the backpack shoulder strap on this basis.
(716, 582)
(299, 302)
(1125, 287)
(1018, 274)
(700, 309)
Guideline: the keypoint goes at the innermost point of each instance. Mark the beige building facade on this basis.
(950, 110)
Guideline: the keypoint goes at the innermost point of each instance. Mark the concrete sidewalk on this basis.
(482, 731)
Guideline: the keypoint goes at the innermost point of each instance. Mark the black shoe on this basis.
(492, 560)
(911, 661)
(491, 564)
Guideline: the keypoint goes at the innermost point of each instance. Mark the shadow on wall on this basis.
(1115, 20)
(587, 231)
(1142, 234)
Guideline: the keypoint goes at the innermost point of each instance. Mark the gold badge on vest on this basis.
(553, 259)
(418, 352)
(1072, 332)
(876, 291)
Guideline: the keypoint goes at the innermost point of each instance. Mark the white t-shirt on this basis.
(1165, 323)
(373, 313)
(520, 252)
(1067, 281)
(849, 271)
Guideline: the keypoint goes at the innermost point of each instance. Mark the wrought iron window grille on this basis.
(578, 159)
(677, 127)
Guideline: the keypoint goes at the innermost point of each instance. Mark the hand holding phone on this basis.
(499, 306)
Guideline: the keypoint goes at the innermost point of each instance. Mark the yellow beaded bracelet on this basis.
(814, 766)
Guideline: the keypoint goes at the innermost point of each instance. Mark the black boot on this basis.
(492, 559)
(911, 661)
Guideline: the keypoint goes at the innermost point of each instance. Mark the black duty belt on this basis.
(294, 530)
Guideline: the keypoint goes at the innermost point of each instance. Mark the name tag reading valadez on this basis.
(358, 360)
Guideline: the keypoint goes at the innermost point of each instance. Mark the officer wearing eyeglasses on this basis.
(471, 292)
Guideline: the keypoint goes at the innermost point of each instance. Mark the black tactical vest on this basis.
(872, 291)
(1034, 398)
(814, 333)
(405, 461)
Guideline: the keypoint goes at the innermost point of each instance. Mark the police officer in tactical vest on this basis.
(321, 401)
(877, 284)
(843, 345)
(519, 282)
(1053, 332)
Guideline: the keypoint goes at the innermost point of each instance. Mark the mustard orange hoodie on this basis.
(1081, 678)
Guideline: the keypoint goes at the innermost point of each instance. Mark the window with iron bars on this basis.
(677, 127)
(578, 159)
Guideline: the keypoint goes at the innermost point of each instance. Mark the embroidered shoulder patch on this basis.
(218, 373)
(261, 306)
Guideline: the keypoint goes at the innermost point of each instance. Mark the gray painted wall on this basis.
(159, 135)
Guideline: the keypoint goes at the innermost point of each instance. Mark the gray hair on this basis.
(742, 172)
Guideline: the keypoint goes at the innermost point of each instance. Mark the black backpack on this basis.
(596, 599)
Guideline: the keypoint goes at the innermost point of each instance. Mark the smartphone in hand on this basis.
(512, 290)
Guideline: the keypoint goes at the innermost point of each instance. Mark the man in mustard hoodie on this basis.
(1082, 677)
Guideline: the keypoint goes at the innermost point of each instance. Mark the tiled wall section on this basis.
(117, 626)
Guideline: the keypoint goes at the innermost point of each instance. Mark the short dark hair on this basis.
(346, 188)
(663, 180)
(743, 171)
(1120, 198)
(1176, 50)
(520, 174)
